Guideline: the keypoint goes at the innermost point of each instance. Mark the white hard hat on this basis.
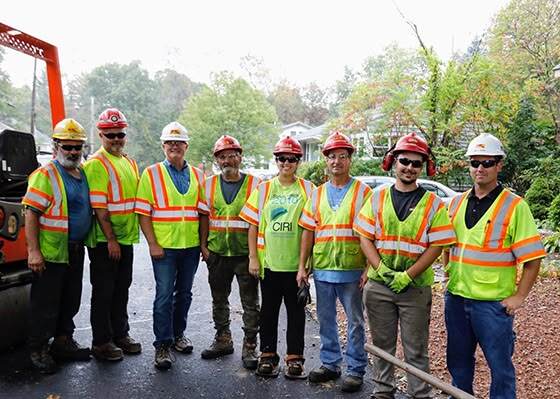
(485, 144)
(174, 131)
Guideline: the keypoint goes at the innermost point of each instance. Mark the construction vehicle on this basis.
(18, 158)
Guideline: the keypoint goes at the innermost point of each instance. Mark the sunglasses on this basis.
(112, 136)
(287, 159)
(68, 147)
(173, 143)
(415, 164)
(488, 163)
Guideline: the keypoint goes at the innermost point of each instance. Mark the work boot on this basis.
(323, 374)
(183, 344)
(108, 351)
(66, 348)
(222, 345)
(163, 357)
(249, 354)
(129, 345)
(43, 361)
(352, 383)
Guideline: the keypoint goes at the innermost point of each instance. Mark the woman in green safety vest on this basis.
(273, 211)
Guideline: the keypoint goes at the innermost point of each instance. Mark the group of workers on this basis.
(372, 249)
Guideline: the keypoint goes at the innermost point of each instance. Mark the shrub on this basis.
(541, 194)
(554, 212)
(316, 171)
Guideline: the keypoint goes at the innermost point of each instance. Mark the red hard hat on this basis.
(337, 140)
(227, 143)
(288, 145)
(111, 118)
(413, 143)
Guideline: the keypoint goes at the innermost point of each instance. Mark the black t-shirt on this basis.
(477, 207)
(230, 189)
(405, 202)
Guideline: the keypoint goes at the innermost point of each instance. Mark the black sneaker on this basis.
(43, 361)
(66, 348)
(323, 374)
(352, 383)
(163, 359)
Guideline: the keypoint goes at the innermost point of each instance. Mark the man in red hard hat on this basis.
(113, 179)
(338, 263)
(226, 251)
(403, 229)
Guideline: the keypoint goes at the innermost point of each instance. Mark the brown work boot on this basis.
(43, 361)
(108, 351)
(66, 348)
(222, 345)
(128, 345)
(249, 354)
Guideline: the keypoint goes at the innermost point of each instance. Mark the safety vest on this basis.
(118, 196)
(401, 243)
(228, 232)
(286, 259)
(174, 216)
(46, 193)
(482, 264)
(336, 245)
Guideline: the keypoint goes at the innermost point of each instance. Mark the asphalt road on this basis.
(190, 376)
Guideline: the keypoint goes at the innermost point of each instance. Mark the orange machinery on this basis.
(17, 160)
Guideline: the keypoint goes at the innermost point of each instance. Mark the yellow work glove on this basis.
(400, 282)
(385, 273)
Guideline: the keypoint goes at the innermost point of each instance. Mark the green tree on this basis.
(315, 105)
(287, 101)
(230, 106)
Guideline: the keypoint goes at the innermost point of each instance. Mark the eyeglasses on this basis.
(227, 157)
(287, 159)
(112, 136)
(68, 147)
(172, 143)
(487, 163)
(415, 164)
(341, 157)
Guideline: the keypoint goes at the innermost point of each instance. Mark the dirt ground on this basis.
(537, 348)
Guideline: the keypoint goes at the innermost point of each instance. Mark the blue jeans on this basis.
(174, 276)
(350, 296)
(470, 322)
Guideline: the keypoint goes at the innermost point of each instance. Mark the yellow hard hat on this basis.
(69, 129)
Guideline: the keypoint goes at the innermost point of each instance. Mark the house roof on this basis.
(315, 134)
(298, 123)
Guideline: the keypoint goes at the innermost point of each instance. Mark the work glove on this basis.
(400, 282)
(385, 273)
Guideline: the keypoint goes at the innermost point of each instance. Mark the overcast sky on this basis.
(301, 40)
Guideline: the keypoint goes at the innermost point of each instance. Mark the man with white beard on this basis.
(58, 218)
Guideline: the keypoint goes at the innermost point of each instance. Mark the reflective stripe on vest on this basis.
(53, 219)
(227, 223)
(116, 204)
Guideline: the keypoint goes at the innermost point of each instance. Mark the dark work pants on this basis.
(110, 281)
(275, 287)
(221, 271)
(56, 293)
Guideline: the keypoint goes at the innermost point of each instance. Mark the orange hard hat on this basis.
(337, 140)
(413, 143)
(288, 145)
(112, 118)
(227, 143)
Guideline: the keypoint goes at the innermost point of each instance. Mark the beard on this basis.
(71, 161)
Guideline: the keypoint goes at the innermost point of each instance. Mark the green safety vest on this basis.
(483, 262)
(113, 182)
(228, 232)
(46, 193)
(175, 216)
(401, 243)
(336, 246)
(277, 216)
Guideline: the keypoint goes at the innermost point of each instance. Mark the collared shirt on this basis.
(181, 178)
(477, 207)
(79, 207)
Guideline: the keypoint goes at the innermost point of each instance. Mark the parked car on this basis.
(441, 190)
